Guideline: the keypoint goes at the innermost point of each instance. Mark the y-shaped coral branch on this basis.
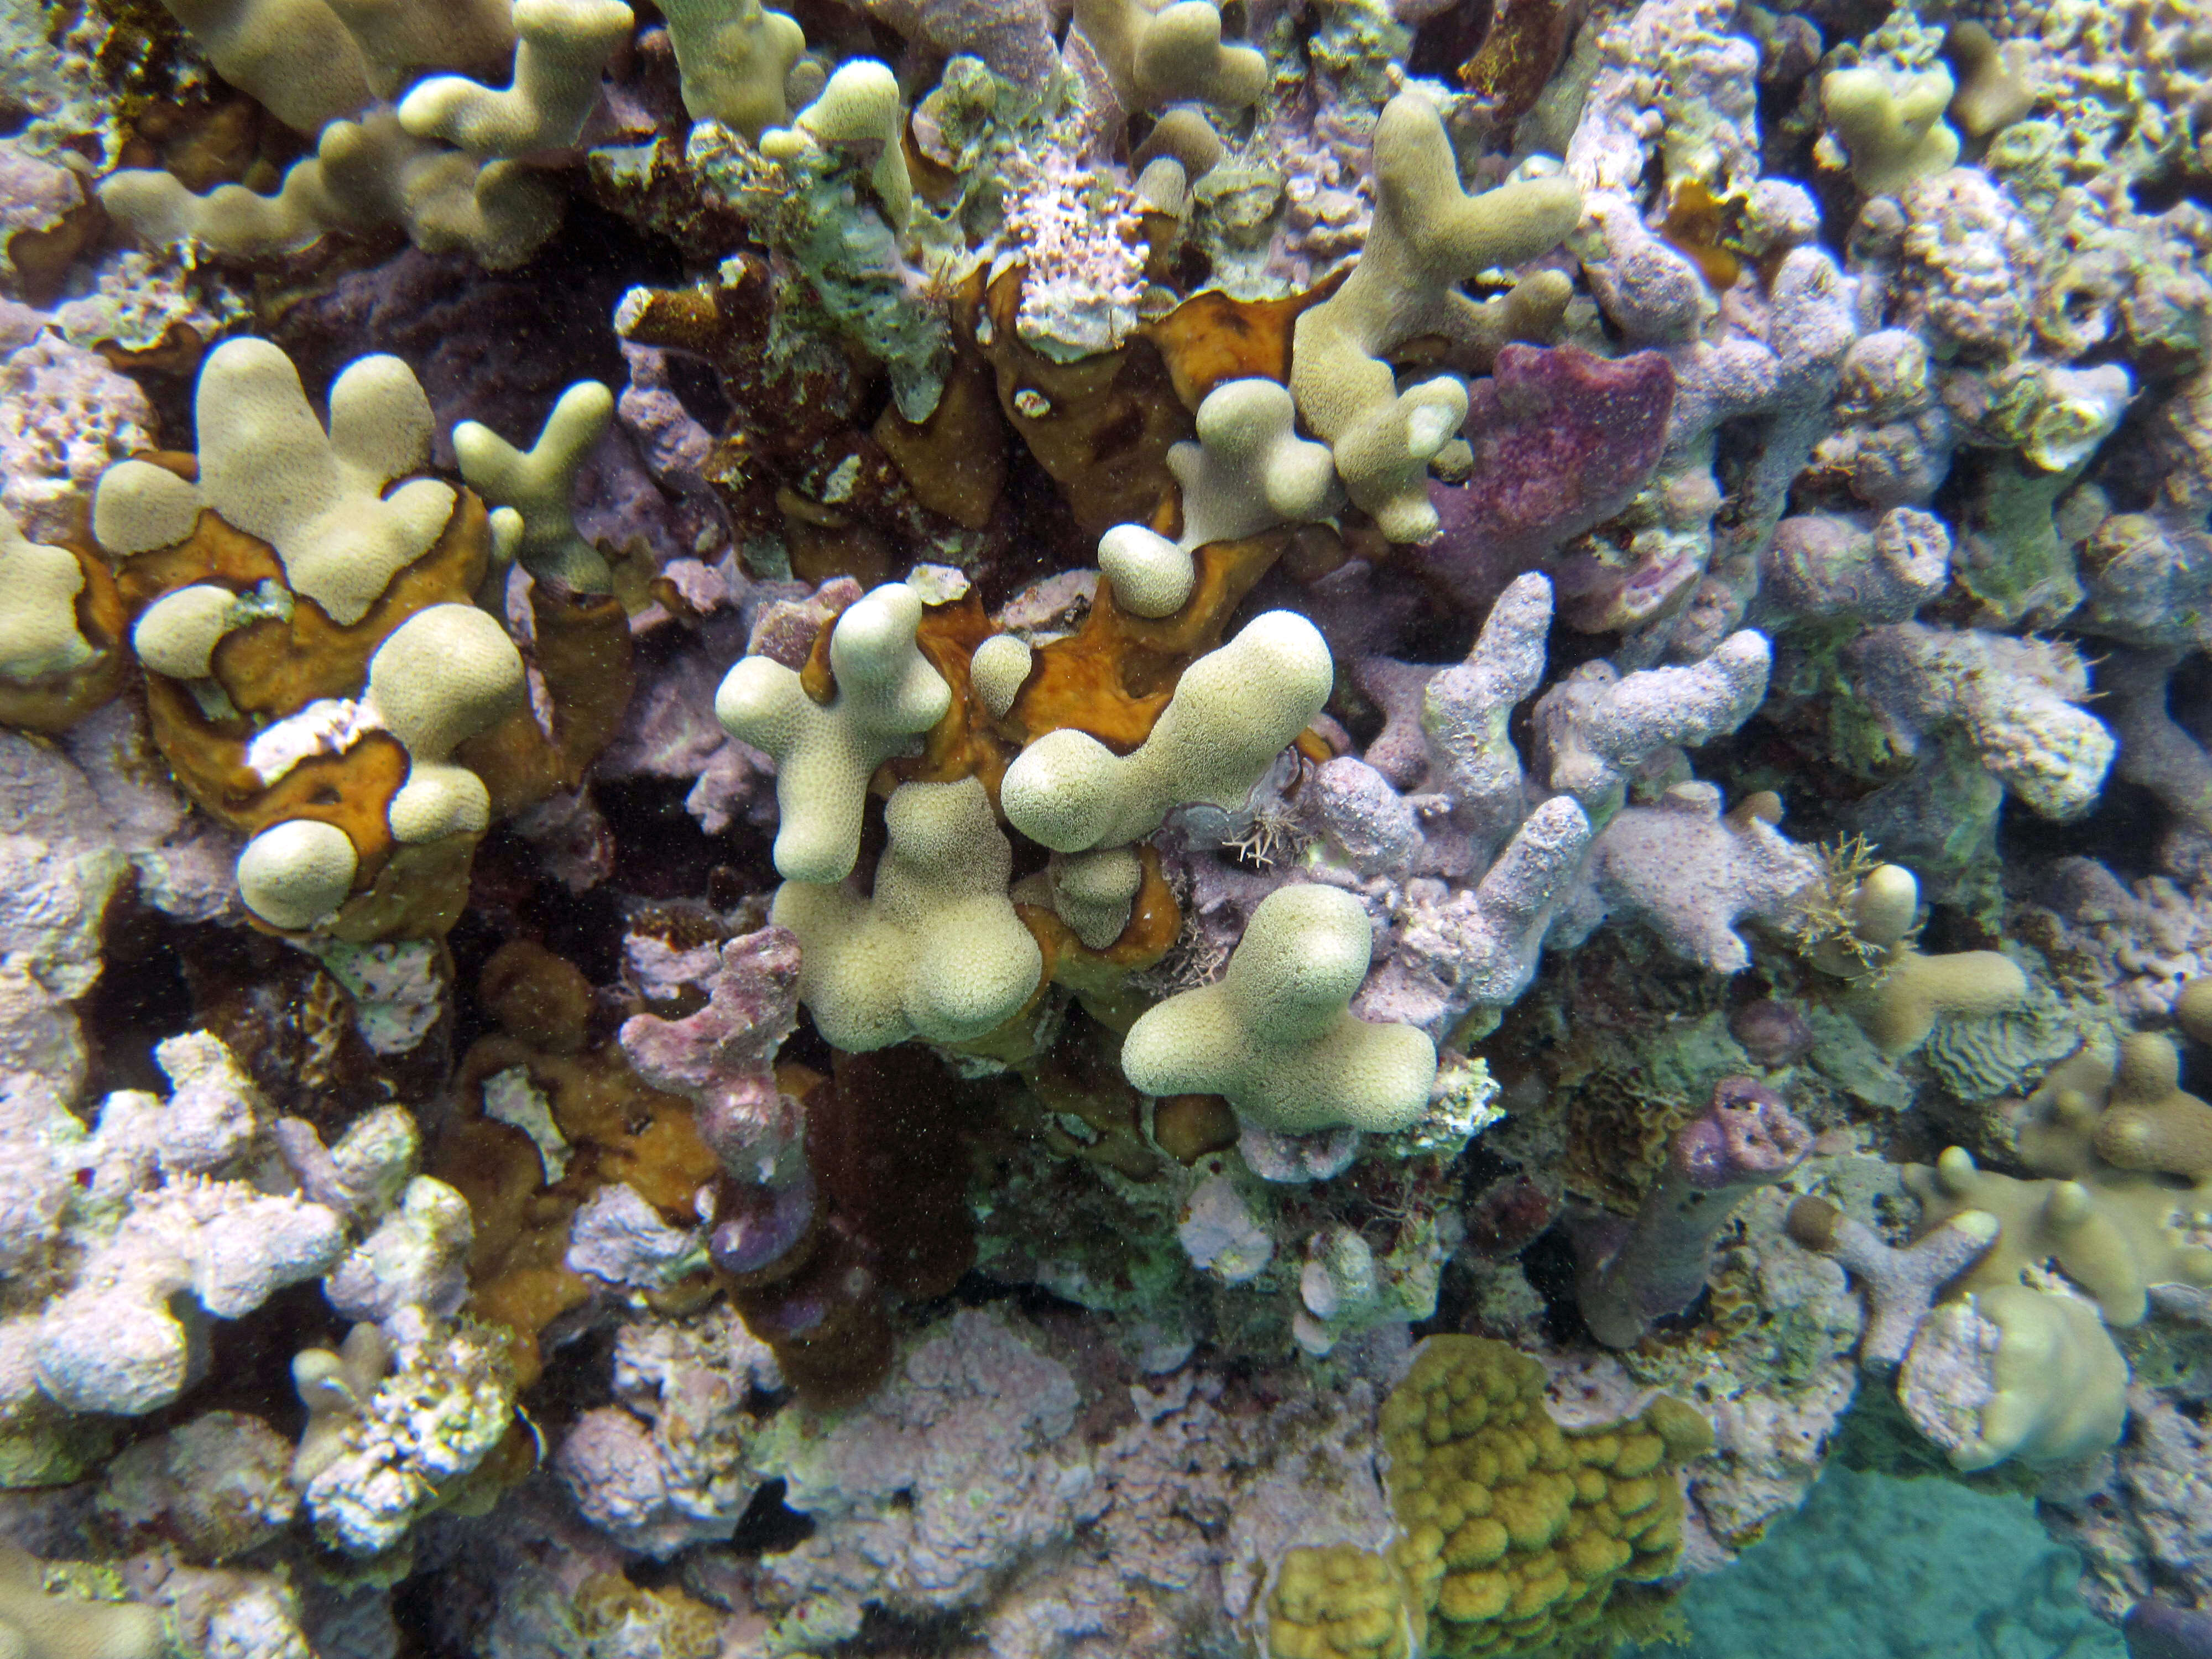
(562, 47)
(887, 695)
(530, 488)
(1276, 1035)
(1900, 1284)
(1429, 236)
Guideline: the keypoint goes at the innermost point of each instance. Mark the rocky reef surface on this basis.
(1048, 830)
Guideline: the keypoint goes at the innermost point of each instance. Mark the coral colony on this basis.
(937, 826)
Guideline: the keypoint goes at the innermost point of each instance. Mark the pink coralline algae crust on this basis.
(1562, 439)
(723, 1059)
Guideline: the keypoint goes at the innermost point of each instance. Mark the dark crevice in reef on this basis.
(659, 848)
(770, 1526)
(143, 994)
(1549, 1266)
(2122, 831)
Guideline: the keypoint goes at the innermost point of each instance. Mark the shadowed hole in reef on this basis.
(770, 1526)
(1549, 1263)
(661, 851)
(951, 1635)
(146, 990)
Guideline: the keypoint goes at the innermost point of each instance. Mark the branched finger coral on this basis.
(319, 676)
(561, 46)
(1276, 1036)
(1169, 54)
(734, 56)
(1428, 236)
(331, 73)
(886, 695)
(936, 951)
(530, 490)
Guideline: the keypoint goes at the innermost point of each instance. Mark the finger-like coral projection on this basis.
(997, 670)
(1169, 54)
(936, 951)
(1900, 1284)
(330, 73)
(1428, 236)
(887, 695)
(1635, 1273)
(2015, 703)
(1513, 1531)
(561, 46)
(1888, 123)
(529, 491)
(1596, 726)
(267, 467)
(40, 1623)
(2021, 1367)
(58, 624)
(397, 1429)
(1277, 1035)
(444, 676)
(858, 110)
(318, 675)
(1233, 712)
(1693, 875)
(38, 634)
(1248, 472)
(734, 56)
(1095, 893)
(164, 1230)
(2014, 1372)
(1900, 991)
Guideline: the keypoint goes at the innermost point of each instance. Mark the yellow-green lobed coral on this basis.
(1514, 1530)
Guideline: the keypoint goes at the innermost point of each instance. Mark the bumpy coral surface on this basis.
(812, 821)
(1516, 1531)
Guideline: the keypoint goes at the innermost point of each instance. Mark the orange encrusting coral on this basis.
(272, 667)
(276, 665)
(1211, 338)
(619, 1131)
(1100, 426)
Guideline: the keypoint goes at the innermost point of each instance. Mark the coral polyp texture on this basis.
(974, 826)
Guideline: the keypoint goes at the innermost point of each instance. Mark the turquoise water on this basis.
(1877, 1568)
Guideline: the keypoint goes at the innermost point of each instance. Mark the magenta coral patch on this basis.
(1562, 439)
